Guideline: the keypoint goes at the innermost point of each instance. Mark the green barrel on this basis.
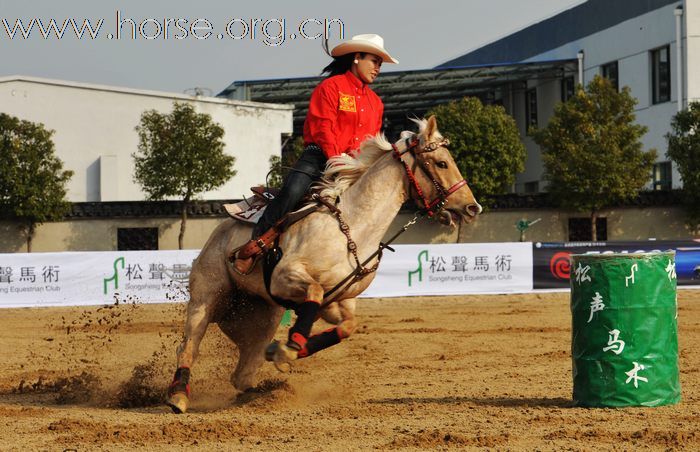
(624, 336)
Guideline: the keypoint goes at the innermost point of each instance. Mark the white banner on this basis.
(93, 278)
(454, 269)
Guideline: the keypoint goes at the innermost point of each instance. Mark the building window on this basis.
(609, 71)
(662, 176)
(532, 186)
(660, 75)
(137, 239)
(580, 229)
(567, 88)
(531, 108)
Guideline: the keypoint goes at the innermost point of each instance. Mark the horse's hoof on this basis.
(271, 350)
(281, 356)
(284, 367)
(179, 402)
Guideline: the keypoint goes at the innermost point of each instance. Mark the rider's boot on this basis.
(307, 169)
(246, 256)
(244, 260)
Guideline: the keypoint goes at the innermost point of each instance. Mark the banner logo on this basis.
(560, 265)
(418, 271)
(114, 277)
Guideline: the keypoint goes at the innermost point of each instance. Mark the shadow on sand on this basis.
(524, 402)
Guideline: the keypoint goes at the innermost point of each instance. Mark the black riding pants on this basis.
(306, 170)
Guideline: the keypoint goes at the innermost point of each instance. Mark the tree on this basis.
(684, 149)
(279, 166)
(592, 152)
(180, 154)
(32, 179)
(484, 142)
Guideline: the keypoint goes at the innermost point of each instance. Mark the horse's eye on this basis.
(442, 164)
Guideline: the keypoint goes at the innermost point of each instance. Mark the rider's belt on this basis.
(313, 147)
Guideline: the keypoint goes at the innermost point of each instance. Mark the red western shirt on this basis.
(343, 111)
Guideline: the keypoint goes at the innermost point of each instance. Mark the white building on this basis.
(95, 132)
(635, 43)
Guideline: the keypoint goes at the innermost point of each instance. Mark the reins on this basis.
(356, 274)
(430, 208)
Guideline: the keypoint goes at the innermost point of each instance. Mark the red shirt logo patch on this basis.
(347, 102)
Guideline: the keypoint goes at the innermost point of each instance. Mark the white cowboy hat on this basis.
(369, 43)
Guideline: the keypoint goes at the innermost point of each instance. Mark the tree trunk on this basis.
(31, 229)
(594, 230)
(183, 222)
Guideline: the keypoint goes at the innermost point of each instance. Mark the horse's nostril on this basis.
(474, 209)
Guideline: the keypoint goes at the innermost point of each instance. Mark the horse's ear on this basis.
(431, 127)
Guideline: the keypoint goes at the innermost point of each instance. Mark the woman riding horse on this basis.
(366, 193)
(374, 186)
(343, 111)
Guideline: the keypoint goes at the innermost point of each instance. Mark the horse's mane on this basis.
(344, 170)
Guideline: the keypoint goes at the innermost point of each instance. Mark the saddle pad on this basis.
(248, 211)
(251, 209)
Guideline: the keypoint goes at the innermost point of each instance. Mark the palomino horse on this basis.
(369, 190)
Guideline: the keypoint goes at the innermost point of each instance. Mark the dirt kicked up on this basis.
(422, 373)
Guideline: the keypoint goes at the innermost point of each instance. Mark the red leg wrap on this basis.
(181, 382)
(320, 341)
(298, 340)
(306, 314)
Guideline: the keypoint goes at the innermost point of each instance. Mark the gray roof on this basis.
(407, 93)
(573, 24)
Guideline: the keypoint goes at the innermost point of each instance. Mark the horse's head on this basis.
(435, 181)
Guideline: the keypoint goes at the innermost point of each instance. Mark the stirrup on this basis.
(245, 257)
(243, 265)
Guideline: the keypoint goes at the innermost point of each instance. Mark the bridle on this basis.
(430, 208)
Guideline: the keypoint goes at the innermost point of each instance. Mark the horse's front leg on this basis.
(344, 317)
(283, 354)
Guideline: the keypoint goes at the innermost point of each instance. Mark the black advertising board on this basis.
(551, 264)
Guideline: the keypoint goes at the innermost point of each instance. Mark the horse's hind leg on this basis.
(200, 311)
(252, 326)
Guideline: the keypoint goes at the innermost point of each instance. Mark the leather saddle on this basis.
(251, 209)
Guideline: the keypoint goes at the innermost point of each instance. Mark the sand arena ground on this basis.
(470, 372)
